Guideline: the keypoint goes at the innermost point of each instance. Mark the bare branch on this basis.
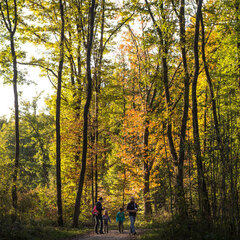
(4, 19)
(116, 29)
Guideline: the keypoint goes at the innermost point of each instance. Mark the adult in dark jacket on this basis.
(98, 218)
(132, 209)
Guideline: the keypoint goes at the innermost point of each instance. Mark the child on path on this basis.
(120, 218)
(106, 219)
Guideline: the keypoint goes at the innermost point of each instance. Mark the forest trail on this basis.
(112, 235)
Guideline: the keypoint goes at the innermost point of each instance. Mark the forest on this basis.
(145, 103)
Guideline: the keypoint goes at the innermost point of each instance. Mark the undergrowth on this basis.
(18, 231)
(185, 230)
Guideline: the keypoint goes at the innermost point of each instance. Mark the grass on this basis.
(40, 233)
(187, 230)
(154, 228)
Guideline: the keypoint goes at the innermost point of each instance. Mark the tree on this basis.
(203, 194)
(178, 159)
(58, 109)
(86, 110)
(11, 25)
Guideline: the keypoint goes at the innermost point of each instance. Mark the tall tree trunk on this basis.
(96, 142)
(178, 160)
(147, 168)
(92, 140)
(11, 26)
(16, 165)
(203, 194)
(209, 80)
(123, 190)
(85, 116)
(58, 113)
(169, 177)
(92, 182)
(237, 6)
(97, 92)
(164, 54)
(179, 186)
(215, 117)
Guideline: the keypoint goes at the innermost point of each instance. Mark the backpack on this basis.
(95, 212)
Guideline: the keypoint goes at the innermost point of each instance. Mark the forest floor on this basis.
(112, 235)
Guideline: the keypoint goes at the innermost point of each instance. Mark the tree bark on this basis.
(147, 169)
(16, 165)
(58, 113)
(237, 6)
(11, 27)
(179, 186)
(97, 92)
(203, 194)
(85, 116)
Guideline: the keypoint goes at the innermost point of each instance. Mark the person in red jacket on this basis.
(98, 218)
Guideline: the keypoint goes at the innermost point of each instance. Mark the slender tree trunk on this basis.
(164, 54)
(169, 178)
(214, 191)
(237, 6)
(16, 165)
(209, 80)
(85, 115)
(215, 118)
(92, 159)
(96, 141)
(11, 27)
(237, 192)
(58, 113)
(97, 92)
(77, 89)
(205, 123)
(178, 160)
(179, 186)
(92, 182)
(203, 194)
(146, 189)
(123, 190)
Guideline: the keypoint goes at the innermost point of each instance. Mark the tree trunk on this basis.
(58, 128)
(215, 118)
(178, 160)
(147, 168)
(96, 140)
(16, 165)
(85, 116)
(237, 6)
(203, 194)
(179, 186)
(164, 51)
(97, 92)
(92, 183)
(11, 27)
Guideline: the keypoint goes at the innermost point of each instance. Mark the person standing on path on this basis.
(120, 218)
(106, 219)
(98, 218)
(132, 209)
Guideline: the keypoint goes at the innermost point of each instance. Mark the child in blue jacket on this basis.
(120, 218)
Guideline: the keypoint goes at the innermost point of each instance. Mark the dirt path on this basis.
(112, 235)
